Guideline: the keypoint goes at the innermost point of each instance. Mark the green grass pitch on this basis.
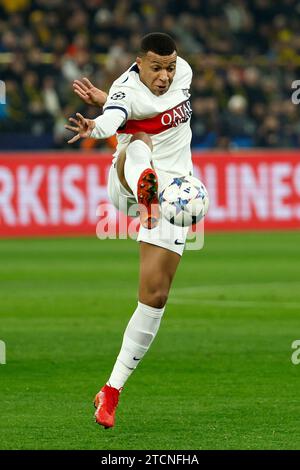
(218, 376)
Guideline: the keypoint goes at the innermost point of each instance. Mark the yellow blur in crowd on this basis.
(12, 6)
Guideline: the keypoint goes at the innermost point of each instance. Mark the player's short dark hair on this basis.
(159, 43)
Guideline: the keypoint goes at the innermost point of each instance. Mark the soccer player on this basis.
(148, 107)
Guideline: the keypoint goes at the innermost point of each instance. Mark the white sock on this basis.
(139, 334)
(138, 157)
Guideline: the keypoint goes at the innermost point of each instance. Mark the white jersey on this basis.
(166, 118)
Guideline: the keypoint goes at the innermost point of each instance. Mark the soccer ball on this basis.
(184, 202)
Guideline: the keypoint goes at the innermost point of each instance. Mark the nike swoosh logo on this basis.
(178, 242)
(136, 359)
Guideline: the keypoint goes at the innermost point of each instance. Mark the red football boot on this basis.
(106, 402)
(147, 189)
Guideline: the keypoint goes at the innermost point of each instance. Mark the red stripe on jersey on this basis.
(159, 123)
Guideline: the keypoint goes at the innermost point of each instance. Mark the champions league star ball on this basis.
(184, 202)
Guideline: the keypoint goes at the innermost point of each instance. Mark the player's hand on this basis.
(83, 127)
(89, 93)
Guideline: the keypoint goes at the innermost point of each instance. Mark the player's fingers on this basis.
(74, 120)
(79, 88)
(83, 96)
(87, 82)
(74, 139)
(80, 85)
(71, 128)
(81, 118)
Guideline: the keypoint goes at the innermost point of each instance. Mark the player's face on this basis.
(157, 71)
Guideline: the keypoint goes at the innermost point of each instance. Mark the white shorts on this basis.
(165, 234)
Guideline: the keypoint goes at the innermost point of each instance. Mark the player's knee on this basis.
(157, 298)
(144, 137)
(161, 300)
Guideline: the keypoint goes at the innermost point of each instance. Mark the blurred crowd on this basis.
(244, 54)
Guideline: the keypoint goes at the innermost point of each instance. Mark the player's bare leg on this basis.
(138, 177)
(157, 269)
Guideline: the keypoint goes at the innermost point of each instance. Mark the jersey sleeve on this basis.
(119, 97)
(116, 110)
(108, 123)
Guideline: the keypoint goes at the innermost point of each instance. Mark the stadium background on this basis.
(220, 373)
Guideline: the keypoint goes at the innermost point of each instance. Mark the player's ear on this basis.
(139, 61)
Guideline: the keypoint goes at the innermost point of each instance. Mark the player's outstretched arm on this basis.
(82, 127)
(88, 93)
